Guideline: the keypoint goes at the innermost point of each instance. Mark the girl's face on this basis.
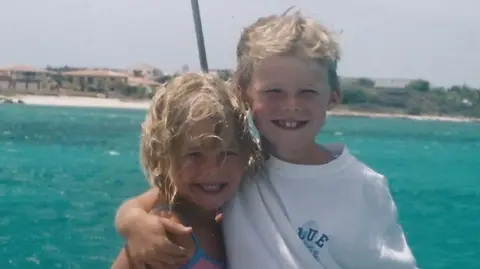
(209, 170)
(289, 98)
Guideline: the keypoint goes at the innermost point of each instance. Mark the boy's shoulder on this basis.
(373, 184)
(369, 175)
(375, 192)
(354, 165)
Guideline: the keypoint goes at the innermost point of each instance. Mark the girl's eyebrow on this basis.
(191, 147)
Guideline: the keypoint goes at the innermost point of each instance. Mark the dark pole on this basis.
(199, 32)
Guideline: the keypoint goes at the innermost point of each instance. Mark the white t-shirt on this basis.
(331, 216)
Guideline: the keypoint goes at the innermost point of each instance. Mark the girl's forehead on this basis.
(210, 125)
(210, 134)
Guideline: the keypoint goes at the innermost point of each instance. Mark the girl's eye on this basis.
(231, 153)
(227, 153)
(194, 154)
(222, 156)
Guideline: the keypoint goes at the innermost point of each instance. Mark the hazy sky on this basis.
(434, 39)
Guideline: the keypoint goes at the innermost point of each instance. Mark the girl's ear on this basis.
(335, 98)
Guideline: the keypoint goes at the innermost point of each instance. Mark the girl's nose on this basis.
(211, 165)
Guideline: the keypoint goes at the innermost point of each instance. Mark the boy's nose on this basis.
(291, 104)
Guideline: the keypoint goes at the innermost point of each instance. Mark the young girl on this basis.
(312, 206)
(194, 149)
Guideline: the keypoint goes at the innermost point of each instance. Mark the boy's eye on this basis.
(309, 91)
(273, 90)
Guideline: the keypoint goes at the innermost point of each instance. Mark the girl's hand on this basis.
(149, 241)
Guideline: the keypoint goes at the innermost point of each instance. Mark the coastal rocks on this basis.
(8, 100)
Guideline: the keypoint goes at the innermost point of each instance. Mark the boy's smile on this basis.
(289, 124)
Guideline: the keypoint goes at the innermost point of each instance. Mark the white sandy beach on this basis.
(73, 101)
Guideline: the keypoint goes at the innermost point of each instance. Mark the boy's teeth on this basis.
(290, 124)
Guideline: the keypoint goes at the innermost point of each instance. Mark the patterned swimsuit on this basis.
(200, 259)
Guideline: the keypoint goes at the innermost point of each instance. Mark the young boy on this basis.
(312, 206)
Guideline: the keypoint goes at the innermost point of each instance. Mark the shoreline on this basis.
(350, 113)
(92, 102)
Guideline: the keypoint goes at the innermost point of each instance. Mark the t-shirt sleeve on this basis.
(390, 248)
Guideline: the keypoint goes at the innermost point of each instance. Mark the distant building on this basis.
(145, 71)
(151, 86)
(23, 77)
(5, 81)
(98, 79)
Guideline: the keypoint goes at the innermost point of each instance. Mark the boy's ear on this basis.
(335, 98)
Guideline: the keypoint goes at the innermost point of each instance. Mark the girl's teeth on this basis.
(211, 187)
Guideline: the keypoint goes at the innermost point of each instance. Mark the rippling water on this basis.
(63, 172)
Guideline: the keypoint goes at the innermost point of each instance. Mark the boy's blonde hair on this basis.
(288, 34)
(183, 102)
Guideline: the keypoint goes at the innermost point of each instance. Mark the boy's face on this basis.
(289, 98)
(210, 169)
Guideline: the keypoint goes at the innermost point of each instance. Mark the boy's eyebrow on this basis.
(270, 86)
(310, 86)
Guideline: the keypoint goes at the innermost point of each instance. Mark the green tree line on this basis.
(417, 98)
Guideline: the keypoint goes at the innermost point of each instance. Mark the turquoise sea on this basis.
(64, 171)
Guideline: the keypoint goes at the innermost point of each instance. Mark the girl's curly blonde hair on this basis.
(183, 102)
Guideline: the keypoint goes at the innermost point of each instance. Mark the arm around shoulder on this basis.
(133, 209)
